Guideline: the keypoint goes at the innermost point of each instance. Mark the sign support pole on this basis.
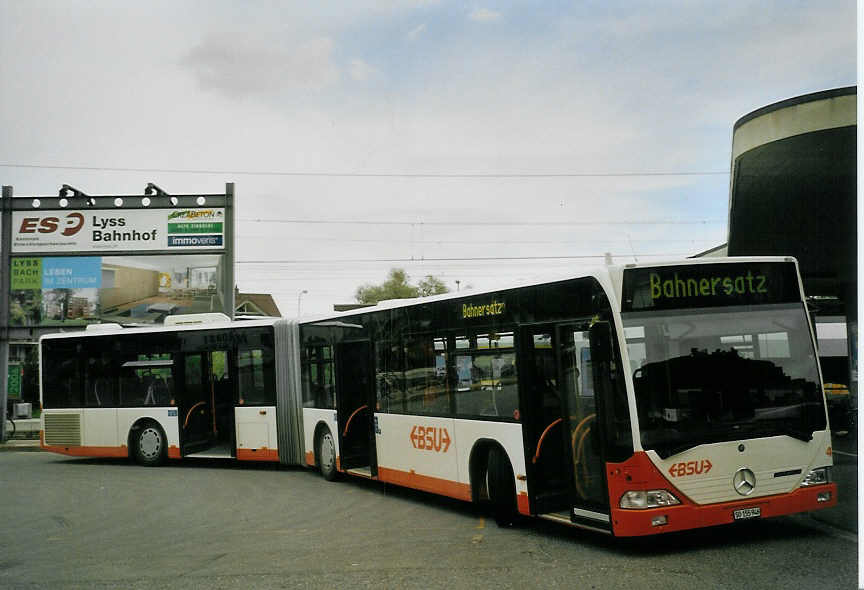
(228, 271)
(5, 265)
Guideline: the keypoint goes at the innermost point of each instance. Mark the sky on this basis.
(485, 143)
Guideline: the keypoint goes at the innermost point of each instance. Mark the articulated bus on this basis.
(197, 386)
(633, 400)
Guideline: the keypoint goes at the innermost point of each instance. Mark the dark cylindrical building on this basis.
(793, 192)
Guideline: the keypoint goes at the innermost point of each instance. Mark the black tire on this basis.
(151, 445)
(502, 488)
(10, 428)
(326, 453)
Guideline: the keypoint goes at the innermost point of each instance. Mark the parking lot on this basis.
(74, 523)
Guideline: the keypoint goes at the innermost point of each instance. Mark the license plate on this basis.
(745, 513)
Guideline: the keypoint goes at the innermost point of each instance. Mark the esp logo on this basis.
(72, 224)
(690, 468)
(430, 438)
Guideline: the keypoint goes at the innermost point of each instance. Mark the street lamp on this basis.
(299, 295)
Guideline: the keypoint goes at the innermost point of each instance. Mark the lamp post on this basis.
(300, 295)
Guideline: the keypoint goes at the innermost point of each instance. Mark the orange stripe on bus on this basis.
(310, 458)
(262, 454)
(114, 452)
(173, 452)
(445, 487)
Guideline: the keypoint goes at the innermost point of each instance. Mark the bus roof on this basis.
(609, 276)
(117, 329)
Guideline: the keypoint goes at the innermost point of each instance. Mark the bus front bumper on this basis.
(653, 521)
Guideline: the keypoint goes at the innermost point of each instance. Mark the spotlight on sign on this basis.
(70, 191)
(152, 189)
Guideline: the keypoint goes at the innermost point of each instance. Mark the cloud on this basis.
(361, 71)
(414, 33)
(239, 66)
(484, 15)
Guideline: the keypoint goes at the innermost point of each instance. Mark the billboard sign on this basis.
(77, 290)
(13, 382)
(121, 230)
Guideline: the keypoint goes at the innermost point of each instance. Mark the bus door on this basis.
(206, 405)
(583, 440)
(562, 444)
(355, 406)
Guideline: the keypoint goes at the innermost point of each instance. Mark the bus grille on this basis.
(63, 430)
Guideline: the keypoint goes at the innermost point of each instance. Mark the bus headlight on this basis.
(642, 499)
(817, 476)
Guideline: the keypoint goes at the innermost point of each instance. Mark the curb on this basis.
(20, 445)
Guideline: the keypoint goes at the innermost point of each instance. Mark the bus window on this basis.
(318, 385)
(256, 377)
(99, 381)
(147, 380)
(486, 377)
(62, 383)
(425, 383)
(389, 384)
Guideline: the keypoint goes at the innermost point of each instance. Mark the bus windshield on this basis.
(719, 374)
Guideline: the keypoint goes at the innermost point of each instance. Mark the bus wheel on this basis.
(150, 445)
(327, 455)
(502, 490)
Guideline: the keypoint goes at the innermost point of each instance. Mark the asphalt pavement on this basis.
(73, 523)
(844, 516)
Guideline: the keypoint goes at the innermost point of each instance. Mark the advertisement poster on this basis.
(127, 230)
(77, 290)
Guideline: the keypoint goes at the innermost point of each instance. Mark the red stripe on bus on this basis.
(310, 458)
(262, 454)
(523, 504)
(409, 479)
(639, 473)
(173, 452)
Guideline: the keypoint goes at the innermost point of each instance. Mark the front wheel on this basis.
(502, 489)
(150, 445)
(327, 456)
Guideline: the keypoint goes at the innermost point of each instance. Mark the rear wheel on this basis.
(501, 486)
(150, 445)
(327, 455)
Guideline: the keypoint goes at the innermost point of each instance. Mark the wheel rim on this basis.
(327, 459)
(150, 443)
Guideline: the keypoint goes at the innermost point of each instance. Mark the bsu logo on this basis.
(71, 224)
(690, 468)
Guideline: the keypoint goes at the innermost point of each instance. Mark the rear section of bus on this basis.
(724, 382)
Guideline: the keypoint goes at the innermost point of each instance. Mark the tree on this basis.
(397, 287)
(431, 286)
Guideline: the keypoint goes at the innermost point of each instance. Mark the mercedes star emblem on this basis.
(744, 482)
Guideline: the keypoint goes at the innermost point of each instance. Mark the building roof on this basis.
(256, 304)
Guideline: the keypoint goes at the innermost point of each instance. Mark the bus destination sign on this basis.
(493, 308)
(708, 285)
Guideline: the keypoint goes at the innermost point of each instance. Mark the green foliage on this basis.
(397, 287)
(431, 286)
